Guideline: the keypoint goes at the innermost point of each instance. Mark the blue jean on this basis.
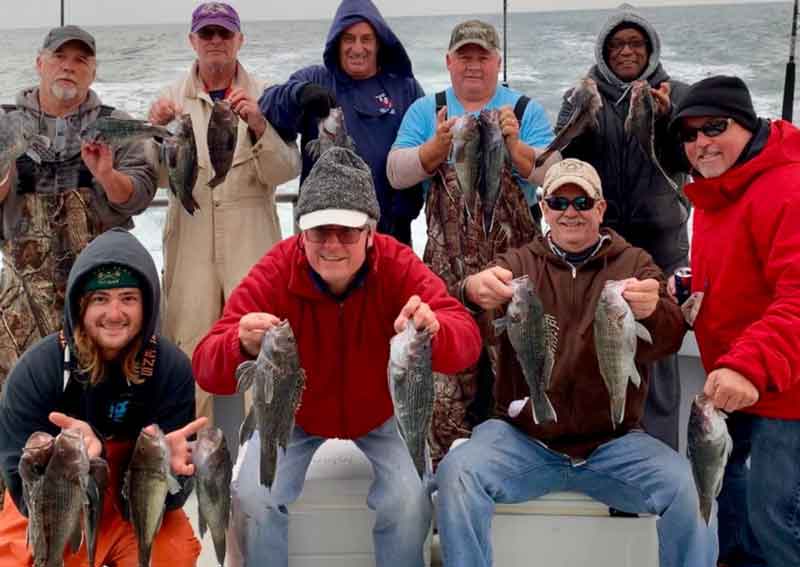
(634, 473)
(759, 506)
(402, 505)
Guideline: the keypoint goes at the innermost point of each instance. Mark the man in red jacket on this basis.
(746, 261)
(346, 290)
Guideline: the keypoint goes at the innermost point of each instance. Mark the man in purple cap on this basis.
(207, 253)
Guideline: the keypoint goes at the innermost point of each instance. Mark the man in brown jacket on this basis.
(588, 448)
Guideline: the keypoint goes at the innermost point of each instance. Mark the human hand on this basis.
(316, 100)
(642, 296)
(420, 313)
(246, 107)
(730, 390)
(489, 288)
(180, 449)
(661, 99)
(163, 111)
(99, 158)
(252, 328)
(509, 125)
(94, 447)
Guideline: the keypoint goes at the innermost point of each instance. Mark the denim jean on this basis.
(260, 517)
(634, 473)
(759, 506)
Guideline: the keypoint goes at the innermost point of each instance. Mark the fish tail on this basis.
(218, 537)
(542, 409)
(705, 509)
(216, 180)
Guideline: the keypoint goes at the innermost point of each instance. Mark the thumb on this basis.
(60, 420)
(441, 116)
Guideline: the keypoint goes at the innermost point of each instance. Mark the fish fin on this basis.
(217, 180)
(551, 346)
(643, 333)
(705, 509)
(76, 538)
(247, 427)
(268, 461)
(202, 525)
(245, 375)
(173, 485)
(39, 149)
(542, 409)
(313, 148)
(189, 203)
(515, 407)
(125, 500)
(500, 325)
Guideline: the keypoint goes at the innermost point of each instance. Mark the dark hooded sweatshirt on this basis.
(642, 206)
(115, 409)
(373, 108)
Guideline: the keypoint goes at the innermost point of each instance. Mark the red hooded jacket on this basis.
(343, 346)
(746, 258)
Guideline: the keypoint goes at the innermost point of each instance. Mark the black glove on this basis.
(316, 101)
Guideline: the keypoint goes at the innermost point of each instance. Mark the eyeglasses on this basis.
(582, 203)
(616, 45)
(710, 129)
(344, 234)
(207, 33)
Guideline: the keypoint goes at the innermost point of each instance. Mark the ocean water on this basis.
(547, 53)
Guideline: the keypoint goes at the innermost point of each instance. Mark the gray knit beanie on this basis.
(338, 190)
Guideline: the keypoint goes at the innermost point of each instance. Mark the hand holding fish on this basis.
(420, 313)
(489, 288)
(642, 296)
(163, 111)
(730, 390)
(99, 158)
(433, 152)
(180, 450)
(522, 155)
(94, 447)
(246, 107)
(252, 328)
(662, 100)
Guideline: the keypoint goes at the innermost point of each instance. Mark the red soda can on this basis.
(683, 284)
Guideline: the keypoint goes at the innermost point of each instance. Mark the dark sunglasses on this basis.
(582, 203)
(345, 235)
(710, 129)
(208, 33)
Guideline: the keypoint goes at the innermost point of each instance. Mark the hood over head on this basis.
(616, 21)
(115, 246)
(392, 56)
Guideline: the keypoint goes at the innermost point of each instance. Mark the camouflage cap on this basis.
(474, 31)
(576, 172)
(57, 37)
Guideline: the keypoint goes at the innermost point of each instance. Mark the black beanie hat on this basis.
(718, 96)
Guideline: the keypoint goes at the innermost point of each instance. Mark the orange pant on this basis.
(175, 544)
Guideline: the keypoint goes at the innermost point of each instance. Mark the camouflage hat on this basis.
(57, 37)
(474, 31)
(576, 172)
(111, 276)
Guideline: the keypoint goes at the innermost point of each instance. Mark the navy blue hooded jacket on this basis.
(373, 108)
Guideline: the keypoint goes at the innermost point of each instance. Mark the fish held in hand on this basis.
(121, 131)
(19, 136)
(332, 132)
(179, 154)
(223, 128)
(213, 473)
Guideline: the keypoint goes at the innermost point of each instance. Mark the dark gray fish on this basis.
(708, 449)
(641, 123)
(277, 382)
(32, 465)
(534, 336)
(493, 160)
(412, 390)
(465, 152)
(18, 136)
(121, 131)
(180, 157)
(615, 333)
(145, 489)
(213, 472)
(586, 102)
(332, 133)
(223, 127)
(93, 507)
(60, 501)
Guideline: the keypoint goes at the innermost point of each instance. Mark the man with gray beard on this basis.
(50, 210)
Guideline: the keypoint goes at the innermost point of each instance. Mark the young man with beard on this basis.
(746, 262)
(109, 375)
(207, 253)
(642, 205)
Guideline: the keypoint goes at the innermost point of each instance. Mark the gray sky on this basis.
(45, 13)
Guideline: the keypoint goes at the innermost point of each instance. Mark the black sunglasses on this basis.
(582, 203)
(711, 129)
(207, 33)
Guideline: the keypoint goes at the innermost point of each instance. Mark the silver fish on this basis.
(465, 152)
(18, 136)
(641, 123)
(222, 133)
(708, 449)
(534, 337)
(586, 102)
(93, 506)
(32, 465)
(60, 501)
(277, 382)
(615, 332)
(180, 157)
(121, 131)
(412, 391)
(332, 133)
(213, 472)
(493, 160)
(145, 489)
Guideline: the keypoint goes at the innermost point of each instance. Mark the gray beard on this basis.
(64, 94)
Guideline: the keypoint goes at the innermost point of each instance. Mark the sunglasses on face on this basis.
(345, 235)
(208, 33)
(619, 44)
(710, 129)
(582, 203)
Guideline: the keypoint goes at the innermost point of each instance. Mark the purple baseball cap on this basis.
(216, 14)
